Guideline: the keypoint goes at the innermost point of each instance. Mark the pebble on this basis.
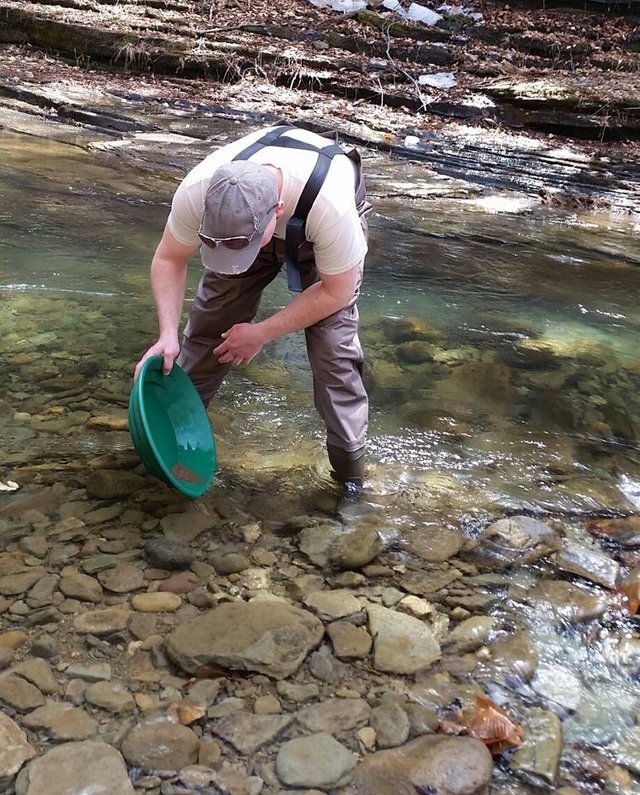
(159, 602)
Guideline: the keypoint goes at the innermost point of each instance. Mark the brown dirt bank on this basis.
(561, 71)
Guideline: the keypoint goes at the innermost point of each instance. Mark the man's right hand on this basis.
(168, 349)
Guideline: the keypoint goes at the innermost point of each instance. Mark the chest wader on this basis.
(348, 467)
(333, 346)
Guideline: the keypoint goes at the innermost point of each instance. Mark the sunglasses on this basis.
(236, 243)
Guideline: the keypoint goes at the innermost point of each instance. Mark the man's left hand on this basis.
(241, 344)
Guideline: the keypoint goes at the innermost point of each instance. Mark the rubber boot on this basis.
(348, 468)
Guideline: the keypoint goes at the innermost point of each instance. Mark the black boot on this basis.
(348, 468)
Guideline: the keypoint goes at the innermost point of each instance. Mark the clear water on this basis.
(462, 434)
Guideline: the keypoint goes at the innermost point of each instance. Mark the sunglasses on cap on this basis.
(235, 243)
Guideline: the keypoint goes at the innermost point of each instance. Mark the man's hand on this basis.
(168, 349)
(241, 344)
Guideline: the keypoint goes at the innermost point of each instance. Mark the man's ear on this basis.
(279, 208)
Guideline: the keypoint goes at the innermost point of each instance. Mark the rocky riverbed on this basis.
(153, 646)
(272, 637)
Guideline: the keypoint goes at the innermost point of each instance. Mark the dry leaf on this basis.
(489, 723)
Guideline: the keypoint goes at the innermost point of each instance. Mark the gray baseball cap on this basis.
(239, 203)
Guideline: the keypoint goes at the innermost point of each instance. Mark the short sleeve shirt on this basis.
(333, 226)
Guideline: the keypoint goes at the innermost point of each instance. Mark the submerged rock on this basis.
(592, 564)
(538, 758)
(567, 602)
(433, 763)
(513, 655)
(515, 541)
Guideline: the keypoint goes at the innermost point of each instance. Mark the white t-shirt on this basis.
(333, 225)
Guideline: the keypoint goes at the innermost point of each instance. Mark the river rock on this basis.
(110, 696)
(156, 602)
(329, 544)
(76, 769)
(567, 602)
(171, 554)
(469, 634)
(20, 694)
(39, 673)
(247, 732)
(114, 484)
(349, 641)
(624, 531)
(560, 689)
(318, 761)
(514, 655)
(539, 755)
(516, 540)
(330, 605)
(391, 724)
(402, 644)
(435, 544)
(433, 763)
(335, 716)
(62, 721)
(15, 750)
(102, 621)
(272, 638)
(123, 578)
(161, 748)
(587, 562)
(18, 583)
(186, 526)
(76, 585)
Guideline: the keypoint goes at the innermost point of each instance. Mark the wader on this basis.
(333, 347)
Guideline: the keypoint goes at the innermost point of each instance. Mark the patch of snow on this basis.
(345, 6)
(478, 101)
(460, 11)
(415, 12)
(438, 80)
(411, 140)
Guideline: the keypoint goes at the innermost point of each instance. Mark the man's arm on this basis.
(168, 279)
(245, 340)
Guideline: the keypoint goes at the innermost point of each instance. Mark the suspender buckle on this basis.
(294, 238)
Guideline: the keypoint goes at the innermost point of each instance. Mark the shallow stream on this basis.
(503, 367)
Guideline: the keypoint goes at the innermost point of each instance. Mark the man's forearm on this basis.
(307, 308)
(168, 280)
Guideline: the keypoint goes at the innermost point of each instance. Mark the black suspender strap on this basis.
(295, 233)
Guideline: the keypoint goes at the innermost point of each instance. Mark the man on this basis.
(276, 195)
